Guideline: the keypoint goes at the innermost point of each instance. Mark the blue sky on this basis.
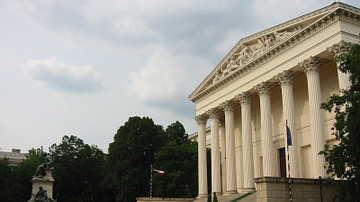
(83, 67)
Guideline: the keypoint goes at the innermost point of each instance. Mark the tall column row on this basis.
(311, 67)
(202, 169)
(248, 162)
(266, 130)
(214, 115)
(228, 107)
(286, 79)
(222, 126)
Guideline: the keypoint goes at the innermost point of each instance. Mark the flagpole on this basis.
(151, 174)
(289, 178)
(288, 143)
(161, 172)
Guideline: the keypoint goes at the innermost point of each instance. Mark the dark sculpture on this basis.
(40, 172)
(41, 196)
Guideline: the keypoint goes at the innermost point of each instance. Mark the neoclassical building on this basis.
(274, 77)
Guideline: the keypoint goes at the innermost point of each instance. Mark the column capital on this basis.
(245, 97)
(228, 105)
(214, 113)
(339, 48)
(285, 77)
(311, 65)
(263, 88)
(201, 119)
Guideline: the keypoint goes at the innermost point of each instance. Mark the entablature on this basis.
(255, 50)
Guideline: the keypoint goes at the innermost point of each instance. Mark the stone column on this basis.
(228, 107)
(202, 168)
(248, 161)
(311, 67)
(223, 155)
(214, 115)
(336, 50)
(286, 79)
(266, 134)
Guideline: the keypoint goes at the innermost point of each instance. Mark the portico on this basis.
(279, 75)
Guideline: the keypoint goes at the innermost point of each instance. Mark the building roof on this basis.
(258, 48)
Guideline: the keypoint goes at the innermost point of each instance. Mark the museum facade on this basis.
(271, 79)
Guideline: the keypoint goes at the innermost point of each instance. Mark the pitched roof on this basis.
(256, 49)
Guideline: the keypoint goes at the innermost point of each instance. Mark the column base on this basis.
(202, 196)
(248, 190)
(229, 192)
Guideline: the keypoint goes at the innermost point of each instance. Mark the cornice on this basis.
(324, 18)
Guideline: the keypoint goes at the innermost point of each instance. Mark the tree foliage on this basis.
(176, 132)
(178, 158)
(84, 173)
(15, 181)
(130, 157)
(78, 170)
(6, 181)
(26, 169)
(343, 159)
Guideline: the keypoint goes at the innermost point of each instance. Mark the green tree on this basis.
(178, 158)
(176, 132)
(7, 181)
(180, 165)
(25, 170)
(77, 170)
(130, 158)
(15, 181)
(343, 159)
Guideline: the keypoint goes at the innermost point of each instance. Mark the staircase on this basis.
(229, 198)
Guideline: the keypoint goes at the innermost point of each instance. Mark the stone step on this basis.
(227, 198)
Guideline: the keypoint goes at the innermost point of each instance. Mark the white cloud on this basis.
(59, 76)
(182, 25)
(159, 79)
(160, 51)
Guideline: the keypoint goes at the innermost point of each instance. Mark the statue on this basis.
(279, 36)
(244, 55)
(42, 182)
(40, 172)
(268, 41)
(258, 48)
(232, 64)
(41, 196)
(217, 77)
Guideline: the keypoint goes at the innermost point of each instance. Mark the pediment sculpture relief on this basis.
(249, 52)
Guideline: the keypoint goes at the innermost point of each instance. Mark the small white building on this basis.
(273, 77)
(15, 156)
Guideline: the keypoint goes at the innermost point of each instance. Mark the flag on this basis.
(288, 136)
(159, 171)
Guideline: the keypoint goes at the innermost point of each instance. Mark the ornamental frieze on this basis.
(257, 49)
(251, 51)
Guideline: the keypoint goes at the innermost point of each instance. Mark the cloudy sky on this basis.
(83, 67)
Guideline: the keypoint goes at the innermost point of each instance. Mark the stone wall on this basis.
(271, 189)
(276, 189)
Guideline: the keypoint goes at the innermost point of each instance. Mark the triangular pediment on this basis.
(259, 47)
